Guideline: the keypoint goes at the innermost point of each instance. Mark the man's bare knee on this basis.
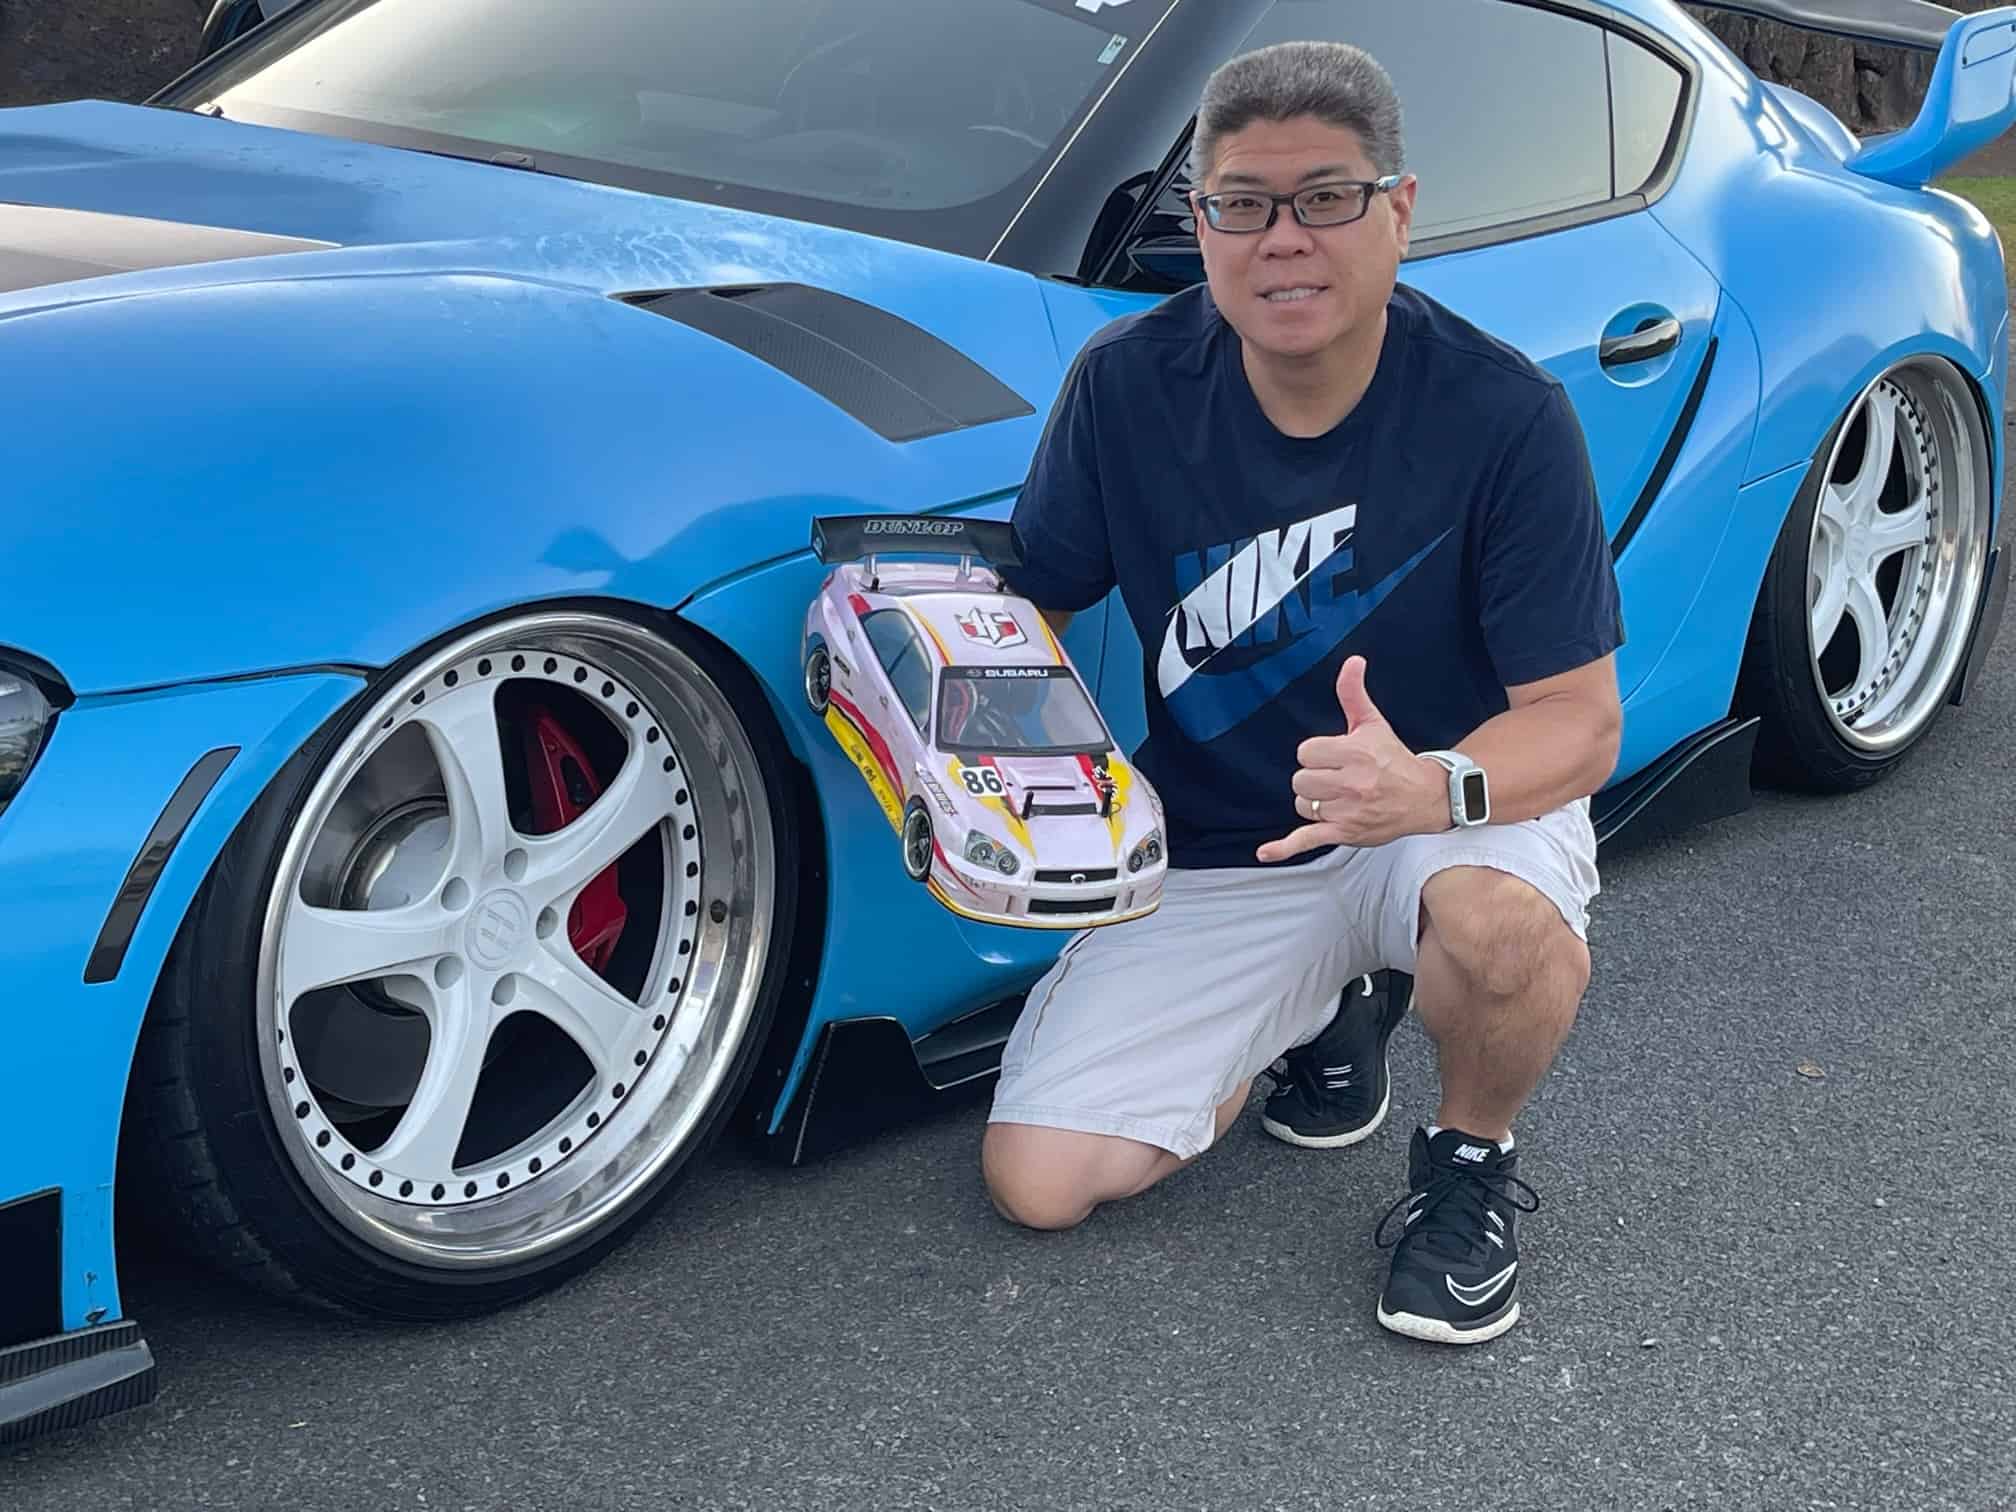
(1502, 932)
(1043, 1178)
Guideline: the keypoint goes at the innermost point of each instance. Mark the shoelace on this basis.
(1466, 1189)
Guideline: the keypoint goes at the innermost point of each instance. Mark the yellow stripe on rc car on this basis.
(857, 750)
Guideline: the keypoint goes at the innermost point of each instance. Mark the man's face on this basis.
(1294, 290)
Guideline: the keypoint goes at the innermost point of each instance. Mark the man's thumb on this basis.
(1352, 697)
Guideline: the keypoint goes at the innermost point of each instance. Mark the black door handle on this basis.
(1642, 345)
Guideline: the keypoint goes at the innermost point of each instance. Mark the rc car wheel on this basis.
(480, 976)
(917, 840)
(818, 676)
(1872, 589)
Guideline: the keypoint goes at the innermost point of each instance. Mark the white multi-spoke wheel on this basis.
(1872, 592)
(481, 974)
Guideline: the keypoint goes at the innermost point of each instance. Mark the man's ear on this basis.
(1403, 211)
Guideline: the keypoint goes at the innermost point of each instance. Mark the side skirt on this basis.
(72, 1379)
(867, 1075)
(1704, 778)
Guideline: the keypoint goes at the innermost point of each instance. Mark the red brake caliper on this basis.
(563, 786)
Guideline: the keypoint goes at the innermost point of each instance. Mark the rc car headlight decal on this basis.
(983, 850)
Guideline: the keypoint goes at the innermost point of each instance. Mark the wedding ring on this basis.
(1315, 808)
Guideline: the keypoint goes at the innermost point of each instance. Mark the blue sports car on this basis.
(416, 843)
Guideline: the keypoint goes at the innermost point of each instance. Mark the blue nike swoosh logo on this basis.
(1206, 706)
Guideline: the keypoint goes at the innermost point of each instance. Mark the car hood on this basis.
(1050, 808)
(279, 400)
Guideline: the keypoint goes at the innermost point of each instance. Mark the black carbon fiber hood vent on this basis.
(896, 378)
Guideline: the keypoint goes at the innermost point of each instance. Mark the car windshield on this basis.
(1032, 711)
(928, 120)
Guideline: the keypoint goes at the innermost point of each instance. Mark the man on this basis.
(1351, 530)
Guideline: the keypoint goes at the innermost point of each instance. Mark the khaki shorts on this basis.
(1142, 1029)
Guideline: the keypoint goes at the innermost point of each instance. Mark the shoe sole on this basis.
(1364, 1131)
(1438, 1331)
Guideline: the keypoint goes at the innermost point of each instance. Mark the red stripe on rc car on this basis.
(884, 758)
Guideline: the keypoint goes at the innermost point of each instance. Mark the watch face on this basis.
(1476, 806)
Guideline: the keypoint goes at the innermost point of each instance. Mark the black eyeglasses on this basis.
(1243, 212)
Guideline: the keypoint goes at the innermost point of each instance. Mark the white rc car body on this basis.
(961, 710)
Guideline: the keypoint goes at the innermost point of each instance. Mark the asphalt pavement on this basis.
(1771, 1268)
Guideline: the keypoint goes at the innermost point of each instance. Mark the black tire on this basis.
(916, 822)
(206, 1155)
(818, 676)
(1800, 745)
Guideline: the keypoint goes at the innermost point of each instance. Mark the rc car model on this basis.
(416, 844)
(970, 725)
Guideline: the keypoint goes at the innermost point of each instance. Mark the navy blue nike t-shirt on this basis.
(1447, 530)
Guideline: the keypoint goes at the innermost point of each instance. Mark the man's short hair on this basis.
(1333, 81)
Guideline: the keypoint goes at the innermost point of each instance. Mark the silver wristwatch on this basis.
(1469, 791)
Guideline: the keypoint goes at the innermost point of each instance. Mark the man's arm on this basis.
(1060, 512)
(1558, 742)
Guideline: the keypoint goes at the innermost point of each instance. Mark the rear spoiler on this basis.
(849, 538)
(1972, 97)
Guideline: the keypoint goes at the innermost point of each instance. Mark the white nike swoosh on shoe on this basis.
(1483, 1291)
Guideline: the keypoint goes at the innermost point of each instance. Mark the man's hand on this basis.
(1363, 787)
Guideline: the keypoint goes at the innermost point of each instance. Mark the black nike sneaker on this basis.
(1455, 1274)
(1334, 1091)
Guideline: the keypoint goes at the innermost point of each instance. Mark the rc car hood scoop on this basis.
(1050, 785)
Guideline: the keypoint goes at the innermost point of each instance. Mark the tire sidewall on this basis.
(914, 811)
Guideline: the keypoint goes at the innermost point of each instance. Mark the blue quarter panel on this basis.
(65, 846)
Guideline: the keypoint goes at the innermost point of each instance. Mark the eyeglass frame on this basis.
(1371, 187)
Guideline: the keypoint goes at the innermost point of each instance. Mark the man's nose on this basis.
(1286, 236)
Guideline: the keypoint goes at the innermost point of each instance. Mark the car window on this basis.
(1507, 106)
(1034, 710)
(902, 656)
(1645, 92)
(929, 120)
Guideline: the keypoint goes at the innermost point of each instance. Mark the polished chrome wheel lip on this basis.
(708, 1016)
(1939, 442)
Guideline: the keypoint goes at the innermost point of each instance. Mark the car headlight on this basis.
(24, 721)
(983, 851)
(1147, 852)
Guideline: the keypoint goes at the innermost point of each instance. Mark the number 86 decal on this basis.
(981, 780)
